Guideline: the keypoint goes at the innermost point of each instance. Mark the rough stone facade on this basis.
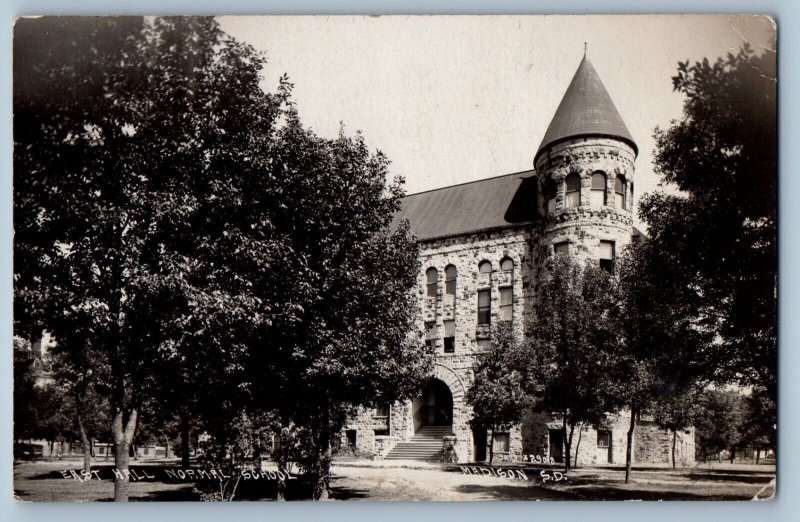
(582, 207)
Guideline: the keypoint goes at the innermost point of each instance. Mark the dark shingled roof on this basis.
(585, 110)
(471, 207)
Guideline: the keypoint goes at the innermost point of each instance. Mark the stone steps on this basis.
(425, 445)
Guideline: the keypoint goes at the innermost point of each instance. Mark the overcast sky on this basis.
(451, 99)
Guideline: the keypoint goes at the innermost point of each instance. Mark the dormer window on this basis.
(573, 193)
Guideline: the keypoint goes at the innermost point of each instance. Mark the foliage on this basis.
(575, 338)
(496, 395)
(181, 224)
(718, 422)
(721, 229)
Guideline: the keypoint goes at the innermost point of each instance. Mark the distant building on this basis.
(483, 246)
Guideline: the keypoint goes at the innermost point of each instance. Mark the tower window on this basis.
(485, 267)
(506, 303)
(449, 337)
(573, 196)
(450, 274)
(620, 191)
(484, 307)
(550, 192)
(432, 276)
(598, 189)
(561, 249)
(507, 265)
(607, 256)
(430, 334)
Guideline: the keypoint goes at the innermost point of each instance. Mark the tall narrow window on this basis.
(506, 303)
(507, 265)
(484, 306)
(449, 336)
(550, 191)
(607, 256)
(598, 189)
(620, 191)
(450, 274)
(432, 276)
(573, 196)
(561, 249)
(430, 335)
(485, 267)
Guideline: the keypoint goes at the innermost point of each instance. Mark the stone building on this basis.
(483, 246)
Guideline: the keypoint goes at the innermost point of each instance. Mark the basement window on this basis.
(501, 442)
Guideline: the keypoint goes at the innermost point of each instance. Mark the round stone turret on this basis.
(585, 171)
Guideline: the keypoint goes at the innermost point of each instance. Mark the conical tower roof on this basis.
(586, 110)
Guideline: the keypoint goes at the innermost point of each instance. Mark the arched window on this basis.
(485, 267)
(507, 265)
(550, 192)
(450, 274)
(432, 275)
(573, 196)
(620, 191)
(598, 189)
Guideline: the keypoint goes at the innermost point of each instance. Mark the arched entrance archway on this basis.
(434, 407)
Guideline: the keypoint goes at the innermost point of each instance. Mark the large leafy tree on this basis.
(574, 332)
(662, 354)
(345, 337)
(721, 228)
(497, 394)
(183, 224)
(125, 133)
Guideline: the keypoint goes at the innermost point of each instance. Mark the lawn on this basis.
(45, 481)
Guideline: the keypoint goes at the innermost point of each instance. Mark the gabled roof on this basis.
(471, 207)
(585, 110)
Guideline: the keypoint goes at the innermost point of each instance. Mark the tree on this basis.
(718, 422)
(574, 336)
(181, 219)
(675, 411)
(125, 132)
(663, 348)
(25, 413)
(346, 288)
(496, 395)
(721, 228)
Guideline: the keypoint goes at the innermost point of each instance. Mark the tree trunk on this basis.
(166, 447)
(733, 454)
(578, 445)
(491, 448)
(91, 447)
(123, 436)
(567, 444)
(322, 464)
(674, 443)
(87, 446)
(758, 454)
(184, 439)
(629, 449)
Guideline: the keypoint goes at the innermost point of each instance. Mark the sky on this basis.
(452, 99)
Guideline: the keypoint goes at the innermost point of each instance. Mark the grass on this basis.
(44, 481)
